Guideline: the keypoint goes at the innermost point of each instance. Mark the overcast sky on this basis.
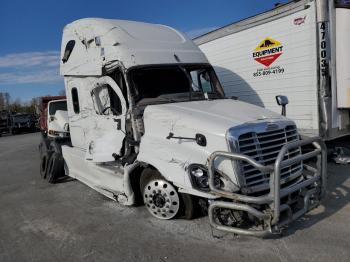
(30, 32)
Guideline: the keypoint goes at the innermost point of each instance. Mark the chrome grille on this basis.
(264, 148)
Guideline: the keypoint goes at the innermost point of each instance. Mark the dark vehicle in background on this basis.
(5, 122)
(17, 122)
(23, 123)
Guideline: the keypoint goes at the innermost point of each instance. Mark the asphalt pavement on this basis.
(71, 222)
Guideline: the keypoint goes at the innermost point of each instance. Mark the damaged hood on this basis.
(172, 154)
(208, 116)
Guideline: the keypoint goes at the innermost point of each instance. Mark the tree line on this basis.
(17, 106)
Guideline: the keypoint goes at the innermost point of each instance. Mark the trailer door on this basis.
(343, 53)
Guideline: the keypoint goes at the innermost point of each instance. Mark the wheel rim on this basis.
(161, 199)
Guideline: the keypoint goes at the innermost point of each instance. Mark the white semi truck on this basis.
(54, 133)
(149, 122)
(300, 50)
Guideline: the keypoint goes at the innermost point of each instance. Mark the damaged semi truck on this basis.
(149, 121)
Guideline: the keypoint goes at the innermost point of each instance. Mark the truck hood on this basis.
(211, 116)
(172, 154)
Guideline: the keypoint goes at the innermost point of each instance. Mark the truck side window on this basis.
(75, 100)
(106, 101)
(205, 83)
(194, 77)
(202, 80)
(67, 52)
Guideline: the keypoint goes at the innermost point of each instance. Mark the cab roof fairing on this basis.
(102, 42)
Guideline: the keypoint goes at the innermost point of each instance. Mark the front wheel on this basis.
(162, 199)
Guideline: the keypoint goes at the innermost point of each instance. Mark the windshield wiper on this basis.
(214, 95)
(166, 98)
(155, 101)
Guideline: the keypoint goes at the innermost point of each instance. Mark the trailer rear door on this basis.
(343, 56)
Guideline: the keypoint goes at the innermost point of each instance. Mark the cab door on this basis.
(107, 121)
(78, 113)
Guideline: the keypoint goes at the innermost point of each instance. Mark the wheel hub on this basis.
(161, 199)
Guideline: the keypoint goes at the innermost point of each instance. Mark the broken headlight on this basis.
(199, 177)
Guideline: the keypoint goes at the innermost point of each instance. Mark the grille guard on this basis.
(272, 219)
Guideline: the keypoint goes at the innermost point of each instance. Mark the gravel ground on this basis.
(71, 222)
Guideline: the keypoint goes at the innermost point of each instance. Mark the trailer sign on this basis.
(267, 51)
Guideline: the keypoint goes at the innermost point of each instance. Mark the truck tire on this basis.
(162, 199)
(55, 166)
(45, 153)
(43, 164)
(42, 148)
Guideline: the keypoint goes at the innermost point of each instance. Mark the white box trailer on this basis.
(299, 49)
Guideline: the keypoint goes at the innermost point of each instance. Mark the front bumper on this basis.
(311, 189)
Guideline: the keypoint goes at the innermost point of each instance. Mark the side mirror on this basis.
(282, 101)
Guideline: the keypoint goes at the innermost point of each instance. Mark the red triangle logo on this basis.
(267, 60)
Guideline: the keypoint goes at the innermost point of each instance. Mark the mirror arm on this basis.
(283, 113)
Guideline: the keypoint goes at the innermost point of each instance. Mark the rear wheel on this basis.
(55, 166)
(43, 164)
(45, 154)
(43, 146)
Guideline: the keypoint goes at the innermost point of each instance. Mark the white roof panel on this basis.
(100, 42)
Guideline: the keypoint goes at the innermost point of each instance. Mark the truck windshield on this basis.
(59, 105)
(175, 83)
(22, 117)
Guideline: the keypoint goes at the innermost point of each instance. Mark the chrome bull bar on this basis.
(273, 198)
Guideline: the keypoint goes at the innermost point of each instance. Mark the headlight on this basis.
(199, 177)
(53, 132)
(66, 127)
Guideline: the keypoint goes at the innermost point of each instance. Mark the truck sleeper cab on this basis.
(149, 121)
